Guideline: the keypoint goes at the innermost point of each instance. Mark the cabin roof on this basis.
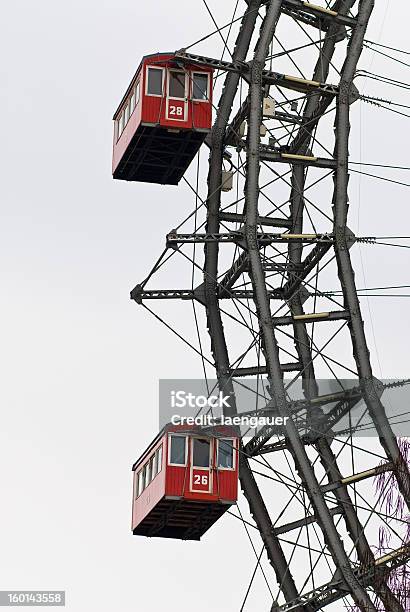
(144, 59)
(167, 428)
(150, 447)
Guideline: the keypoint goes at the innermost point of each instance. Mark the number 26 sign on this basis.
(200, 480)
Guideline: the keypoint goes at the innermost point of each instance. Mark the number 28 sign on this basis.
(176, 110)
(201, 480)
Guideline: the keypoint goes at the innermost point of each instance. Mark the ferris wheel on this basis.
(262, 246)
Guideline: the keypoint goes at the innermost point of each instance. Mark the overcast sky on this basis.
(80, 362)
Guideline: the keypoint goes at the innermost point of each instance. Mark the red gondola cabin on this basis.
(162, 120)
(184, 482)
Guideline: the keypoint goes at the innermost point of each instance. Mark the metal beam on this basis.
(309, 264)
(322, 14)
(345, 269)
(270, 155)
(242, 68)
(294, 366)
(139, 295)
(314, 317)
(307, 520)
(269, 344)
(236, 237)
(269, 221)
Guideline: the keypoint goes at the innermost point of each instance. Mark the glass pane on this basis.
(120, 125)
(154, 82)
(177, 85)
(225, 454)
(159, 459)
(141, 485)
(126, 114)
(137, 93)
(147, 474)
(201, 453)
(177, 450)
(200, 87)
(132, 103)
(153, 467)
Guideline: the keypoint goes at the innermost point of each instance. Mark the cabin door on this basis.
(177, 96)
(201, 465)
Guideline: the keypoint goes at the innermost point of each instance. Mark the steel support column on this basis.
(269, 344)
(345, 270)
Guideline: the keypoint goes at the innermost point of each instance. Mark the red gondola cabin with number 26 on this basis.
(184, 482)
(162, 120)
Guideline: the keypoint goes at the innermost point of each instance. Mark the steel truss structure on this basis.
(281, 270)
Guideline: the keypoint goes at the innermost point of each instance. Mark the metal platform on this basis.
(180, 519)
(159, 155)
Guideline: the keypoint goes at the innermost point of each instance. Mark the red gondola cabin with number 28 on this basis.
(184, 482)
(162, 120)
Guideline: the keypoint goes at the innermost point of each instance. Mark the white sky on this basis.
(80, 362)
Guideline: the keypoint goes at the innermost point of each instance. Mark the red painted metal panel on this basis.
(177, 480)
(152, 110)
(153, 493)
(228, 484)
(120, 145)
(201, 115)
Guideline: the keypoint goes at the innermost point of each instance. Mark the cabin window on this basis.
(141, 481)
(159, 459)
(200, 454)
(176, 85)
(177, 452)
(140, 487)
(226, 454)
(199, 86)
(132, 102)
(147, 474)
(137, 93)
(153, 466)
(154, 81)
(120, 125)
(136, 484)
(126, 114)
